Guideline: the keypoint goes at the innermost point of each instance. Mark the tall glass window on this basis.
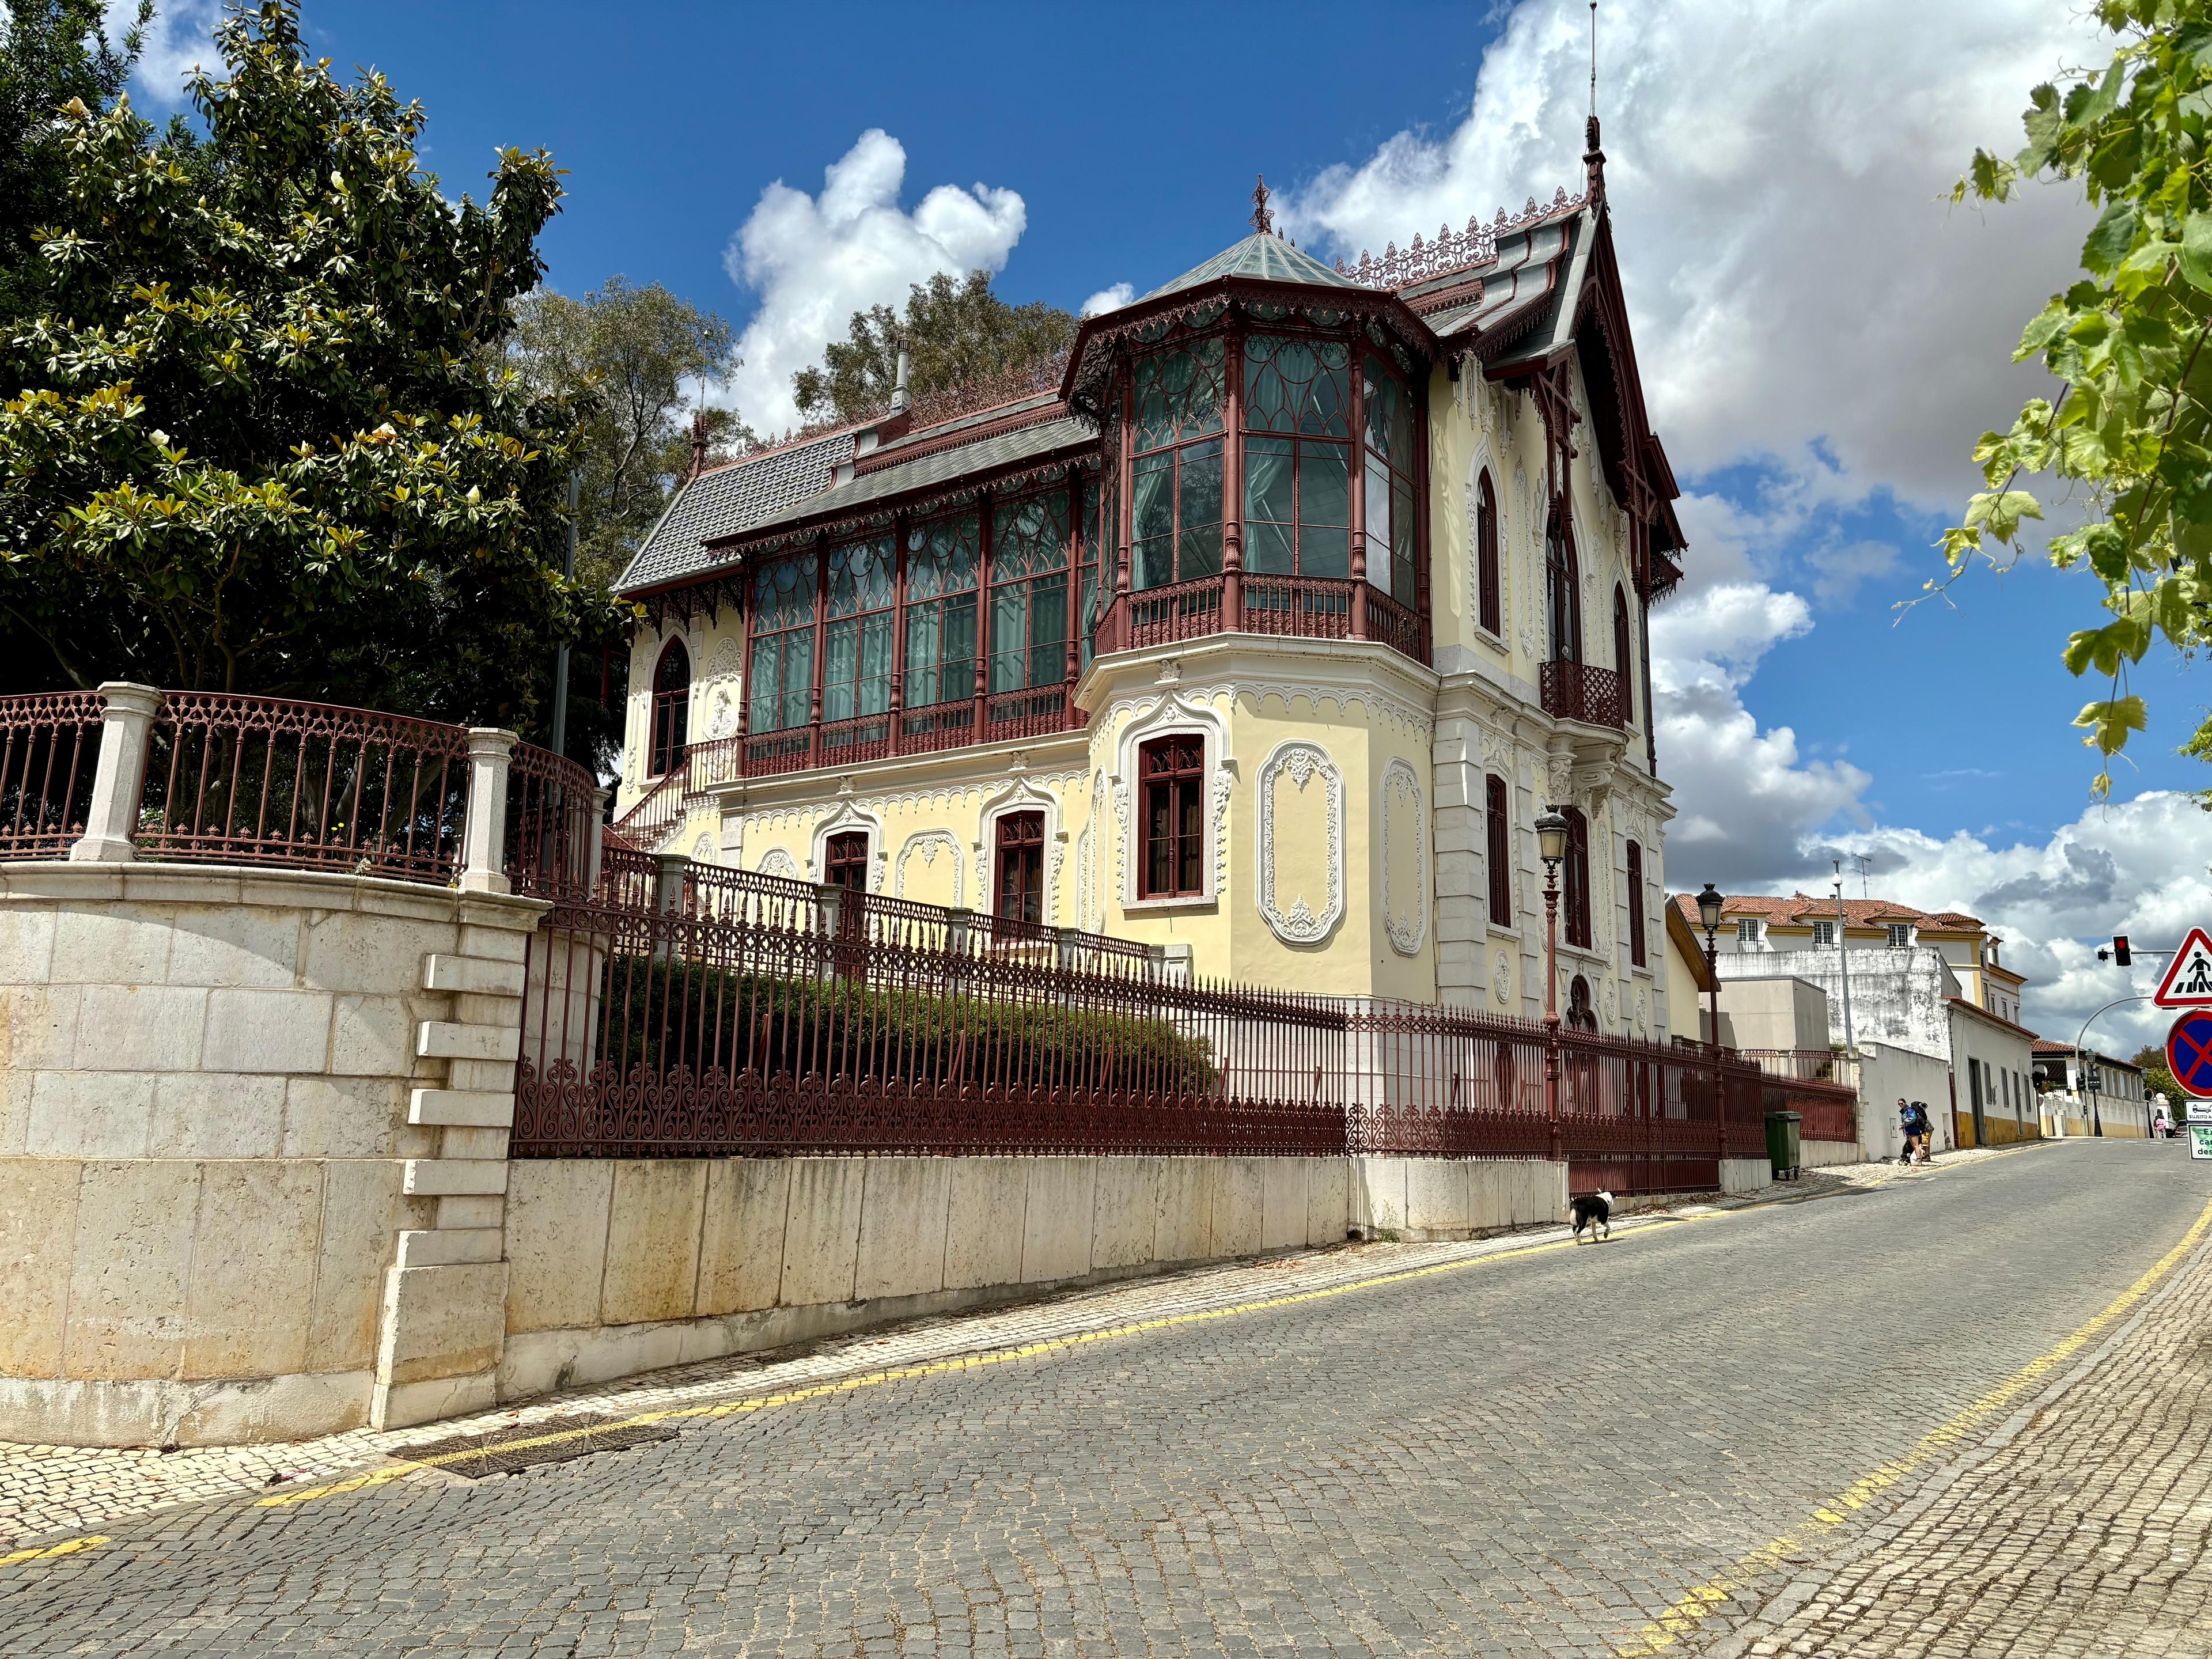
(1577, 905)
(1624, 654)
(1097, 591)
(1029, 593)
(856, 652)
(1488, 612)
(1172, 773)
(1297, 456)
(941, 557)
(1563, 591)
(1390, 514)
(1177, 489)
(672, 707)
(781, 683)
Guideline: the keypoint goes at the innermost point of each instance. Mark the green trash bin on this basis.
(1783, 1133)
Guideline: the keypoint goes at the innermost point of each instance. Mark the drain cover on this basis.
(517, 1446)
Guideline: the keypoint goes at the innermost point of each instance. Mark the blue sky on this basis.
(1821, 338)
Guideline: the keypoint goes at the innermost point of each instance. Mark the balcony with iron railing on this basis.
(1579, 691)
(1247, 602)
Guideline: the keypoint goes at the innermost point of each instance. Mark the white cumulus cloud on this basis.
(179, 39)
(815, 260)
(1109, 299)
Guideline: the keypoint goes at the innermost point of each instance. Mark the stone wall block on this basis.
(37, 1230)
(216, 1115)
(127, 1027)
(1327, 1200)
(437, 1177)
(1238, 1198)
(1436, 1194)
(268, 1030)
(988, 1204)
(466, 1142)
(1122, 1222)
(442, 1322)
(1182, 1215)
(445, 1040)
(501, 943)
(27, 946)
(242, 947)
(481, 1109)
(904, 1207)
(254, 1268)
(89, 1114)
(741, 1243)
(653, 1240)
(1283, 1202)
(556, 1241)
(370, 1037)
(368, 954)
(476, 975)
(37, 1027)
(130, 1259)
(822, 1233)
(1057, 1218)
(361, 1212)
(110, 943)
(343, 1117)
(15, 1112)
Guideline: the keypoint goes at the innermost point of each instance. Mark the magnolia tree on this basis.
(261, 433)
(2129, 432)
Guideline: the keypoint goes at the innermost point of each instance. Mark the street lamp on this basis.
(1709, 917)
(1552, 846)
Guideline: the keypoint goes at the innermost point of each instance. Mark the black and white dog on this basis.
(1595, 1212)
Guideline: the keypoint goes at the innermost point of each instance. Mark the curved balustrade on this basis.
(1579, 691)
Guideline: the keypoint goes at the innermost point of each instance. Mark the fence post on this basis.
(596, 830)
(669, 871)
(118, 777)
(958, 923)
(483, 832)
(1063, 950)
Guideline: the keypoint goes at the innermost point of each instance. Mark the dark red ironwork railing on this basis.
(656, 812)
(552, 823)
(1186, 610)
(760, 1014)
(1576, 692)
(1036, 713)
(1301, 607)
(1395, 626)
(1819, 1084)
(49, 744)
(241, 779)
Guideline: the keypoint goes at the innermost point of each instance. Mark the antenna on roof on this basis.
(1865, 861)
(1262, 221)
(1593, 60)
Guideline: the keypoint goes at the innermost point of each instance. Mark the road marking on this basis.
(70, 1547)
(1707, 1600)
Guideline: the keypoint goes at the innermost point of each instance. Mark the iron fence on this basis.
(48, 746)
(703, 1012)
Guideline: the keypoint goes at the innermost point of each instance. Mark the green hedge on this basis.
(665, 1015)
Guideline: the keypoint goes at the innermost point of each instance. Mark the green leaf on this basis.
(2111, 238)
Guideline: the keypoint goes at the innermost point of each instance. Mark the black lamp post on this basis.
(1709, 917)
(1552, 846)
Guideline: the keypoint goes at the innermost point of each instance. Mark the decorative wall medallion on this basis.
(1501, 979)
(777, 862)
(1405, 826)
(1559, 779)
(1305, 765)
(704, 850)
(1643, 1013)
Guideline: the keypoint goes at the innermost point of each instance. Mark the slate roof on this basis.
(1540, 265)
(730, 498)
(926, 471)
(1262, 255)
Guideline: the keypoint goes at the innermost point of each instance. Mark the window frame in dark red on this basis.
(1185, 851)
(1562, 575)
(1498, 813)
(1027, 891)
(839, 864)
(670, 719)
(1636, 945)
(1575, 905)
(1490, 613)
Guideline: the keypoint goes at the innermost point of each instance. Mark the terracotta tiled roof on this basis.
(2048, 1049)
(1803, 907)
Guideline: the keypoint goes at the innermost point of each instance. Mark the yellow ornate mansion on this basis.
(1267, 630)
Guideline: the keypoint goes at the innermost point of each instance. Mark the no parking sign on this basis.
(2189, 1057)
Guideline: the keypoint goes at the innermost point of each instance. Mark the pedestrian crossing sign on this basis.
(2188, 982)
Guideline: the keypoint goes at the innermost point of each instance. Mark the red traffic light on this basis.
(2120, 949)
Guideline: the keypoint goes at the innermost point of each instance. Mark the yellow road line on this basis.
(69, 1547)
(1703, 1603)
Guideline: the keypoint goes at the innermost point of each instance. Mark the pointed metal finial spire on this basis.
(1262, 221)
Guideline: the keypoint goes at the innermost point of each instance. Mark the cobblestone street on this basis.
(1951, 1412)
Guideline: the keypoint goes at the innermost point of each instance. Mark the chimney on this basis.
(898, 391)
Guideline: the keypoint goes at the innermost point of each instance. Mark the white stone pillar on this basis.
(483, 831)
(119, 779)
(669, 871)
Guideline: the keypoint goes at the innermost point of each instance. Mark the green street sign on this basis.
(2200, 1140)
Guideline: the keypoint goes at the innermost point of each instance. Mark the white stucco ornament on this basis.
(777, 862)
(1501, 979)
(1405, 913)
(1305, 764)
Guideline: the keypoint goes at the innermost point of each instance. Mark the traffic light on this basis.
(2120, 949)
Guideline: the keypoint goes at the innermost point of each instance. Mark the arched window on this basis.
(1498, 850)
(1172, 771)
(671, 709)
(1635, 905)
(1488, 612)
(1563, 591)
(1020, 860)
(1578, 880)
(1624, 655)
